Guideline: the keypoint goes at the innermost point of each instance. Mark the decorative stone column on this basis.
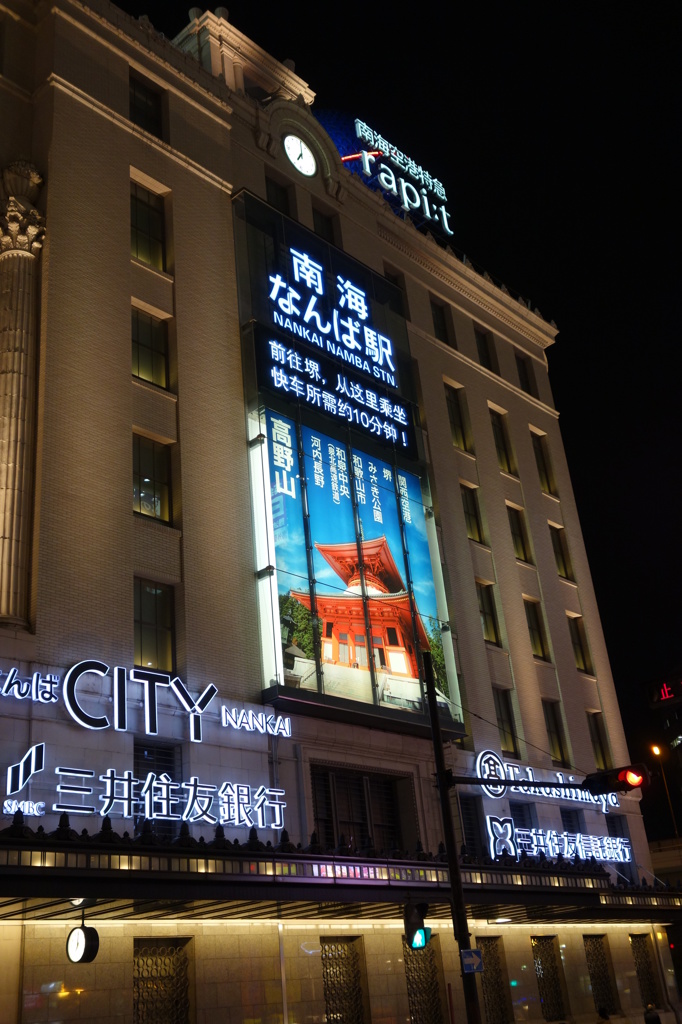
(21, 233)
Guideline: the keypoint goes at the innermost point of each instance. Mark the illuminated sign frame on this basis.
(503, 775)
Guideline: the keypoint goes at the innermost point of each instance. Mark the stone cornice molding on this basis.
(22, 227)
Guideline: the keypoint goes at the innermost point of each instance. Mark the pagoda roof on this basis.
(377, 560)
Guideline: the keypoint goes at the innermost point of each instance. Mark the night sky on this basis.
(554, 130)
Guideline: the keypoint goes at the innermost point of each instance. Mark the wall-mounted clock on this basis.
(300, 155)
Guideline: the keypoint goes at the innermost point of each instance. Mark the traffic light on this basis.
(617, 780)
(416, 934)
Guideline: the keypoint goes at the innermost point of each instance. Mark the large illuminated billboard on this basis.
(354, 579)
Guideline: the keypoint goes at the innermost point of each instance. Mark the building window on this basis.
(147, 227)
(151, 478)
(495, 980)
(442, 327)
(162, 981)
(505, 455)
(600, 969)
(150, 348)
(363, 810)
(645, 966)
(600, 743)
(549, 977)
(146, 107)
(486, 607)
(581, 651)
(555, 733)
(344, 979)
(561, 553)
(278, 196)
(572, 821)
(459, 419)
(505, 721)
(522, 814)
(536, 629)
(397, 303)
(157, 760)
(471, 513)
(154, 625)
(524, 369)
(485, 346)
(473, 831)
(323, 225)
(543, 463)
(517, 525)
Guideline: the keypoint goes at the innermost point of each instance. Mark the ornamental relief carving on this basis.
(22, 227)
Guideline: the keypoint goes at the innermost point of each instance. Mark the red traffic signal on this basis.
(617, 780)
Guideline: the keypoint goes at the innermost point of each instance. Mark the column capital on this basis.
(22, 227)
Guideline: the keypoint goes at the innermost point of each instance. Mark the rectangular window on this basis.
(517, 525)
(600, 743)
(485, 346)
(543, 463)
(360, 651)
(522, 814)
(505, 721)
(600, 969)
(572, 820)
(146, 109)
(392, 636)
(323, 225)
(473, 830)
(581, 651)
(159, 760)
(150, 348)
(555, 733)
(278, 196)
(459, 419)
(505, 455)
(151, 478)
(486, 607)
(561, 552)
(442, 327)
(362, 810)
(343, 648)
(147, 227)
(154, 641)
(536, 629)
(397, 303)
(524, 369)
(471, 513)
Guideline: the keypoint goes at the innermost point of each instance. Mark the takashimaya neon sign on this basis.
(422, 193)
(46, 690)
(505, 776)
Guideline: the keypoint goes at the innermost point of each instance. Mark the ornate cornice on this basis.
(22, 227)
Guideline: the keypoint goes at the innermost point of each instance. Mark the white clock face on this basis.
(75, 945)
(82, 945)
(300, 155)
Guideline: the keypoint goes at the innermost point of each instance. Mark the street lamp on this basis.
(657, 753)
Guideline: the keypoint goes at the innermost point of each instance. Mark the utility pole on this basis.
(458, 906)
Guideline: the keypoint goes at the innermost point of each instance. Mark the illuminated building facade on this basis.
(344, 451)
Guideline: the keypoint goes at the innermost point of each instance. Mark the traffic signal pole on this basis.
(458, 906)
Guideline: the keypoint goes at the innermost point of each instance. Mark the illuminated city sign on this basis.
(505, 776)
(506, 840)
(46, 690)
(337, 322)
(414, 189)
(28, 808)
(156, 797)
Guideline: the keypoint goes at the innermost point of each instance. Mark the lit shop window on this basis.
(150, 348)
(151, 478)
(154, 640)
(147, 226)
